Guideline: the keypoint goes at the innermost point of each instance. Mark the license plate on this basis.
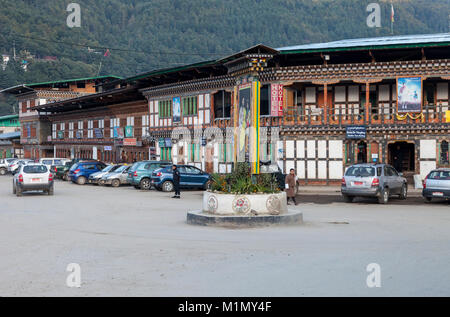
(438, 194)
(358, 183)
(35, 180)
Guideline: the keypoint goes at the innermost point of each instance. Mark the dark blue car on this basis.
(190, 177)
(79, 172)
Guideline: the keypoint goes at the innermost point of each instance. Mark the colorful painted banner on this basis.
(243, 122)
(256, 112)
(176, 103)
(447, 116)
(409, 94)
(276, 100)
(129, 131)
(118, 133)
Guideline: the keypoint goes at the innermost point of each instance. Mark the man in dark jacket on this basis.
(176, 181)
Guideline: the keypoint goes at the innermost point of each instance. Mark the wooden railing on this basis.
(386, 113)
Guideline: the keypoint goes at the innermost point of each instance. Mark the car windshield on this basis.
(121, 169)
(441, 175)
(108, 168)
(35, 169)
(272, 168)
(360, 171)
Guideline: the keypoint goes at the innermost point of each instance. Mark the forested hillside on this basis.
(146, 34)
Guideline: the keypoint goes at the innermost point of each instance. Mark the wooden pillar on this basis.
(325, 102)
(367, 110)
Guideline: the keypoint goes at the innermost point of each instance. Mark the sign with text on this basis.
(129, 142)
(98, 133)
(129, 131)
(355, 132)
(276, 100)
(118, 133)
(107, 148)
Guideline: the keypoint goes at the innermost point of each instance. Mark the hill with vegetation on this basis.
(141, 35)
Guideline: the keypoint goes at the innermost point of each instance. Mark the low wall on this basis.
(253, 204)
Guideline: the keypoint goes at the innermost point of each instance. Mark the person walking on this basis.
(176, 181)
(291, 182)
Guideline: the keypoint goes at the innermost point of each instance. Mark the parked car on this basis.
(116, 178)
(62, 172)
(373, 180)
(4, 163)
(14, 166)
(32, 177)
(266, 167)
(437, 184)
(140, 173)
(53, 161)
(96, 177)
(190, 177)
(79, 173)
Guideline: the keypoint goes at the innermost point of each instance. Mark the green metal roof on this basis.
(10, 116)
(72, 80)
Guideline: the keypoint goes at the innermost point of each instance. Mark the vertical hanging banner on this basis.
(244, 120)
(276, 100)
(254, 140)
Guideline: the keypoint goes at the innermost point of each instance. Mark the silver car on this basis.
(14, 166)
(116, 178)
(373, 180)
(4, 163)
(437, 184)
(96, 177)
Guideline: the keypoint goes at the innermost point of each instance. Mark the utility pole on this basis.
(14, 50)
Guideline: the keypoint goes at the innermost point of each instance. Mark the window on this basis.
(373, 100)
(189, 105)
(90, 129)
(145, 124)
(429, 93)
(192, 170)
(441, 175)
(222, 104)
(81, 85)
(113, 123)
(264, 100)
(80, 129)
(71, 130)
(444, 153)
(35, 169)
(360, 171)
(165, 109)
(54, 127)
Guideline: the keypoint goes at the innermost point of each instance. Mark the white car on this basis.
(14, 166)
(4, 163)
(32, 177)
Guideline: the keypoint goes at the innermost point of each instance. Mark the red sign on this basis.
(129, 142)
(276, 100)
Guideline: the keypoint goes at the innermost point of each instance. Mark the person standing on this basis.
(176, 181)
(291, 182)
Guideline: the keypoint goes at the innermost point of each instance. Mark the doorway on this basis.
(362, 152)
(402, 156)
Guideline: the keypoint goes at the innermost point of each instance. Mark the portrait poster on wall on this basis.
(409, 94)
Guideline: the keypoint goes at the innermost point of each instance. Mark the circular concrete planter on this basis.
(216, 203)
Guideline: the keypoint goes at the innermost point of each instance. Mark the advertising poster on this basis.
(176, 102)
(118, 133)
(409, 94)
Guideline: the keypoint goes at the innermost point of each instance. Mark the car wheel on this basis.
(428, 199)
(384, 196)
(2, 171)
(18, 192)
(66, 176)
(145, 184)
(50, 191)
(404, 192)
(101, 182)
(348, 199)
(81, 180)
(115, 183)
(167, 186)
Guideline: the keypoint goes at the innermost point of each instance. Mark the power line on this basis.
(116, 49)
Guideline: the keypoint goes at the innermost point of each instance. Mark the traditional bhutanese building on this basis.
(36, 130)
(335, 104)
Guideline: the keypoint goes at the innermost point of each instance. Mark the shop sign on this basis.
(276, 100)
(355, 132)
(129, 142)
(129, 131)
(168, 142)
(161, 142)
(98, 133)
(107, 148)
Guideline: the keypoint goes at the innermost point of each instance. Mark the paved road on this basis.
(135, 243)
